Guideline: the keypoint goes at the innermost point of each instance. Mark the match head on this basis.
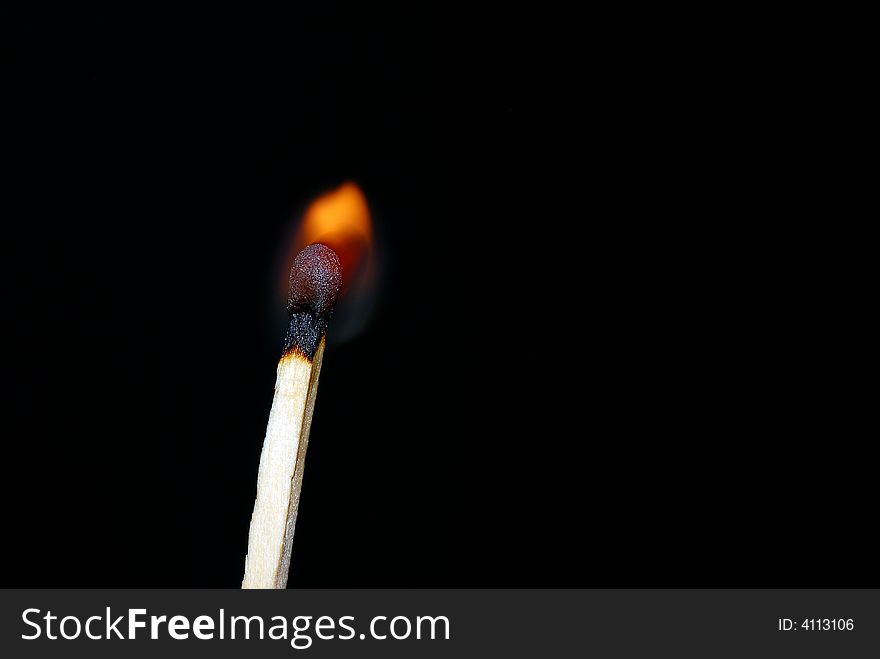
(315, 283)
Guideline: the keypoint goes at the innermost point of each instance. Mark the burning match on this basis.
(315, 283)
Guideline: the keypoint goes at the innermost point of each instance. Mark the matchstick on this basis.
(315, 282)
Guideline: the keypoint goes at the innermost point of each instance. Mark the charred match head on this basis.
(315, 282)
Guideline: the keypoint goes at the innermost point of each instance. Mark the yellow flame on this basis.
(341, 220)
(339, 216)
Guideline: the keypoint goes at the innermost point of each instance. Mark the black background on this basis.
(556, 387)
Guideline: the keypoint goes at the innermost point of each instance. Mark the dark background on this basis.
(557, 388)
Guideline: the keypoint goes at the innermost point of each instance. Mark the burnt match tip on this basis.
(315, 283)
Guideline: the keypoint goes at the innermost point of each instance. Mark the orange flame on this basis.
(341, 220)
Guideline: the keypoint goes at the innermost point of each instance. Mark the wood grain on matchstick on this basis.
(279, 481)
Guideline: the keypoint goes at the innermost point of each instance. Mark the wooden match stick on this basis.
(315, 282)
